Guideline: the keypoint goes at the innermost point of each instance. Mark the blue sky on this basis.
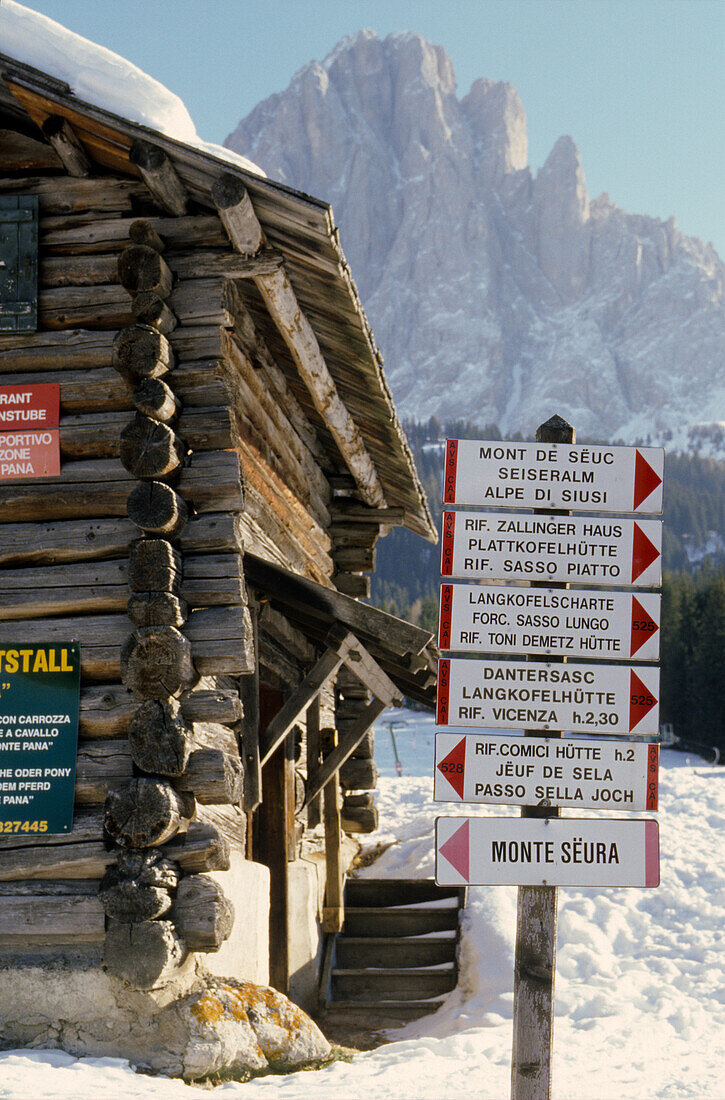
(638, 84)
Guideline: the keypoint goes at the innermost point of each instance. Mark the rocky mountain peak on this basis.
(495, 295)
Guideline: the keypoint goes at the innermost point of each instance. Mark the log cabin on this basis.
(229, 453)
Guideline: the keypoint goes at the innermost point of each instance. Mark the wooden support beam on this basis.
(319, 780)
(327, 666)
(313, 759)
(250, 752)
(283, 307)
(333, 911)
(236, 213)
(369, 672)
(160, 176)
(61, 135)
(245, 232)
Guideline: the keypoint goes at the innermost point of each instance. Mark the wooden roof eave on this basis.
(294, 211)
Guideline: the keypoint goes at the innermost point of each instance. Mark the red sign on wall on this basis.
(29, 436)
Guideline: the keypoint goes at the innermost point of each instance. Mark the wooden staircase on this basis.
(396, 957)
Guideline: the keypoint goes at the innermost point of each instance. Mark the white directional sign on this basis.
(486, 618)
(554, 851)
(516, 546)
(494, 769)
(554, 475)
(584, 698)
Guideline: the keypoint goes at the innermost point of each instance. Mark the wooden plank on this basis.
(209, 581)
(273, 826)
(101, 766)
(84, 854)
(220, 640)
(334, 761)
(97, 434)
(70, 307)
(106, 710)
(93, 540)
(211, 482)
(249, 692)
(72, 234)
(103, 390)
(65, 195)
(53, 351)
(314, 809)
(39, 920)
(333, 912)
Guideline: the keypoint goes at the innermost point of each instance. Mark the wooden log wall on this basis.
(138, 537)
(137, 548)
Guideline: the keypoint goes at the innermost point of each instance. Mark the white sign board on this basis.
(486, 618)
(516, 546)
(554, 475)
(583, 698)
(495, 770)
(555, 851)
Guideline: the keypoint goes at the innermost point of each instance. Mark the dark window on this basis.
(18, 263)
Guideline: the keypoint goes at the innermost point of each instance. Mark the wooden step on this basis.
(396, 892)
(394, 985)
(375, 1014)
(355, 952)
(399, 922)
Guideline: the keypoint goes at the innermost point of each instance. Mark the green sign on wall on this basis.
(39, 700)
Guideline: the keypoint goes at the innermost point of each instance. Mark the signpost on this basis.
(582, 623)
(523, 547)
(549, 851)
(584, 698)
(29, 434)
(39, 701)
(534, 475)
(525, 771)
(548, 550)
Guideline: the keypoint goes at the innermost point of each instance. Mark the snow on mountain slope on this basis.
(494, 294)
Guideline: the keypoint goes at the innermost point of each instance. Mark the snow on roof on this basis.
(102, 77)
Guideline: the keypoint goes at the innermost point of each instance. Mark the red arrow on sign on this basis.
(646, 480)
(455, 850)
(644, 552)
(454, 767)
(643, 627)
(641, 700)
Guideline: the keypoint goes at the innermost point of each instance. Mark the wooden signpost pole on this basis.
(535, 958)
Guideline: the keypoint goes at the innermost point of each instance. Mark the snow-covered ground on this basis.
(640, 984)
